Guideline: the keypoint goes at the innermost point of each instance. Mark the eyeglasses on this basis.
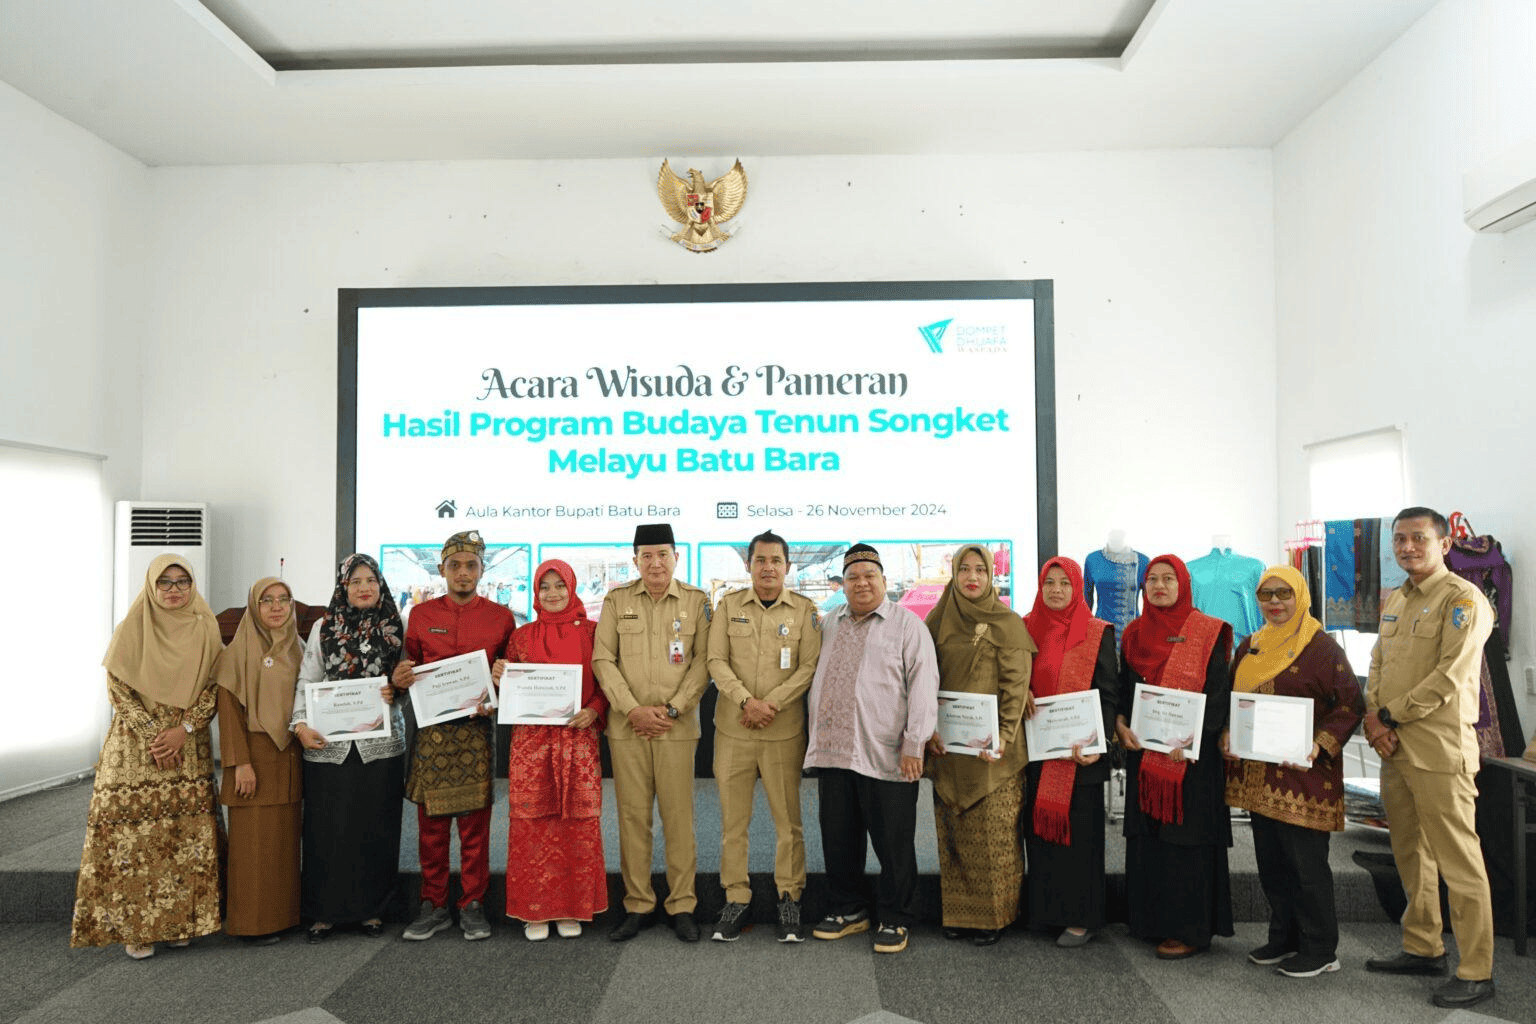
(1276, 594)
(367, 581)
(279, 602)
(166, 586)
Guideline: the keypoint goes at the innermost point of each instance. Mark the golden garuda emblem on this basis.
(700, 206)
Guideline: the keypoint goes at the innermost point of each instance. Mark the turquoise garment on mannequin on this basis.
(1224, 587)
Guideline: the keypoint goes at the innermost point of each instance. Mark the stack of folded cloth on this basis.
(1362, 802)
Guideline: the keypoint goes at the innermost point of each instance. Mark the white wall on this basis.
(1163, 264)
(1390, 309)
(72, 220)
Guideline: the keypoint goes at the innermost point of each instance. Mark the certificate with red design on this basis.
(539, 694)
(967, 722)
(353, 709)
(1166, 720)
(452, 688)
(1064, 721)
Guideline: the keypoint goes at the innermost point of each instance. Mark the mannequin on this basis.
(1112, 580)
(1224, 585)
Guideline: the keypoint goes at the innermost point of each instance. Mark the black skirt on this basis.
(351, 837)
(1177, 892)
(1066, 883)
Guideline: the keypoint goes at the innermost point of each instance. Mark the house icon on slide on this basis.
(446, 509)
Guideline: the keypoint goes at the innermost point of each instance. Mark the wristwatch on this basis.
(671, 711)
(744, 703)
(1385, 718)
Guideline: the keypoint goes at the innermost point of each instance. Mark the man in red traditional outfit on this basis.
(451, 763)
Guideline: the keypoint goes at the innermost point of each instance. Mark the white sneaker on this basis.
(537, 931)
(569, 929)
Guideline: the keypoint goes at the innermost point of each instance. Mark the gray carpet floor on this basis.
(357, 980)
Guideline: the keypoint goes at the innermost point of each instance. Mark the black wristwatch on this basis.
(1385, 718)
(671, 711)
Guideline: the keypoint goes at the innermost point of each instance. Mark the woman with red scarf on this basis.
(555, 866)
(1177, 827)
(1064, 819)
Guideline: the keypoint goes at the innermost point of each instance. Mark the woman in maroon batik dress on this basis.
(555, 868)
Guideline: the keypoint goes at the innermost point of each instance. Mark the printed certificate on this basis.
(1062, 721)
(539, 694)
(967, 722)
(1268, 727)
(352, 709)
(451, 688)
(1167, 720)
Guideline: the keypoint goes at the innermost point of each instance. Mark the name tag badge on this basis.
(675, 652)
(741, 618)
(784, 658)
(434, 629)
(1389, 618)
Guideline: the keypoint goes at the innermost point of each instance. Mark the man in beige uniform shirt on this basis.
(648, 657)
(763, 646)
(1421, 705)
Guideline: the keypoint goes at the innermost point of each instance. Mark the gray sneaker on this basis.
(733, 917)
(472, 920)
(790, 929)
(428, 923)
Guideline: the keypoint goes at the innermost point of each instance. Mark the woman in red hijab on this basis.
(1064, 819)
(555, 866)
(1177, 827)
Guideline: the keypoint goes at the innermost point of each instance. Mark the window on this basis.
(1357, 477)
(57, 607)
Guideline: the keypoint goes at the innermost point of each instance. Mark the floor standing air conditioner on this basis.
(148, 529)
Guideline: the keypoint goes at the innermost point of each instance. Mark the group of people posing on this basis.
(853, 695)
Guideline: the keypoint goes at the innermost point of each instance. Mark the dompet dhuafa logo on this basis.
(965, 337)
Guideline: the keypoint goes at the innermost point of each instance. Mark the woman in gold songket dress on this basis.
(983, 647)
(150, 868)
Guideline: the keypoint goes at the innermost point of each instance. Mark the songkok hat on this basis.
(861, 553)
(654, 533)
(468, 540)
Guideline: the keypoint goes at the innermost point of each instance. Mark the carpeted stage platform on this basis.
(351, 979)
(41, 835)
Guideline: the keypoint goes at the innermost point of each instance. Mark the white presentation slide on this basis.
(555, 429)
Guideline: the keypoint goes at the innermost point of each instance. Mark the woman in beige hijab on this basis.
(150, 868)
(983, 648)
(262, 765)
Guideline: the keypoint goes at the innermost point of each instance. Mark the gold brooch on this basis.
(700, 206)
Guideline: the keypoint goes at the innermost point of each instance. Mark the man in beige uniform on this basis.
(763, 646)
(1421, 705)
(648, 657)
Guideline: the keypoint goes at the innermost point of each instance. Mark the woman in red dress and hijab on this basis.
(555, 866)
(1177, 827)
(1064, 819)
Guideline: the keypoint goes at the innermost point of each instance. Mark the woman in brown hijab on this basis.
(150, 868)
(262, 765)
(983, 647)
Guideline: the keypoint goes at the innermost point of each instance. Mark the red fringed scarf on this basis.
(1169, 647)
(1068, 642)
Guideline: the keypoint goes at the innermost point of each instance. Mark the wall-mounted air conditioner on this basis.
(148, 529)
(1501, 194)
